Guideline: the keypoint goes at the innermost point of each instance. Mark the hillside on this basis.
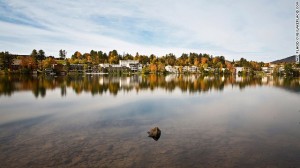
(290, 59)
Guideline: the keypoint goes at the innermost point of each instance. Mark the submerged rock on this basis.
(154, 133)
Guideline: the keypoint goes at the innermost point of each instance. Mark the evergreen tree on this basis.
(62, 54)
(41, 55)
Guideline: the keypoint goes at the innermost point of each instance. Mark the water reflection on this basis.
(99, 84)
(242, 126)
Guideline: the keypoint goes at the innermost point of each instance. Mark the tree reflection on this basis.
(100, 84)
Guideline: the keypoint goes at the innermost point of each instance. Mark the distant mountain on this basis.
(290, 59)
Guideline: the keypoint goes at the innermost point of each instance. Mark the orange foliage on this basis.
(153, 68)
(204, 60)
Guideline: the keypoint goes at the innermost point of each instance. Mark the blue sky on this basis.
(261, 30)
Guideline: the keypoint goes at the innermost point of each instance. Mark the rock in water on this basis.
(154, 133)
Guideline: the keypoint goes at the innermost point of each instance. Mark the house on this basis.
(16, 64)
(272, 67)
(171, 69)
(113, 68)
(104, 65)
(132, 64)
(76, 67)
(185, 69)
(93, 69)
(192, 69)
(175, 69)
(239, 69)
(49, 71)
(140, 67)
(59, 69)
(265, 69)
(281, 68)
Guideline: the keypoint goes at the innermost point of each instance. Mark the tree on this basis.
(102, 57)
(25, 62)
(137, 56)
(144, 59)
(113, 57)
(47, 63)
(68, 65)
(34, 55)
(204, 60)
(170, 59)
(76, 55)
(128, 57)
(2, 60)
(183, 59)
(87, 57)
(161, 67)
(105, 58)
(152, 58)
(6, 59)
(243, 62)
(196, 62)
(288, 69)
(192, 58)
(222, 59)
(215, 60)
(94, 57)
(41, 55)
(153, 68)
(62, 54)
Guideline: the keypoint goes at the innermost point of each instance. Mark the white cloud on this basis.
(255, 30)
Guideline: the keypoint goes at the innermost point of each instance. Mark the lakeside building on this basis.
(76, 67)
(192, 69)
(128, 62)
(23, 64)
(124, 65)
(175, 69)
(239, 69)
(268, 70)
(171, 69)
(16, 64)
(133, 65)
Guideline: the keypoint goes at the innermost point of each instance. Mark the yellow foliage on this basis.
(204, 60)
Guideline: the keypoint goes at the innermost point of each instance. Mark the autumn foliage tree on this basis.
(113, 57)
(6, 60)
(47, 63)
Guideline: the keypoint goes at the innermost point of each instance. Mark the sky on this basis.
(259, 30)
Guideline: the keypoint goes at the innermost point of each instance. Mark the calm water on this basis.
(102, 121)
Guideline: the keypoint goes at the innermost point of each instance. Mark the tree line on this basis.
(153, 63)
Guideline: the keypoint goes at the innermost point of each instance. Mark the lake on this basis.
(102, 121)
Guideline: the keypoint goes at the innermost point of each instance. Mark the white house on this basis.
(104, 65)
(132, 64)
(265, 69)
(171, 69)
(185, 69)
(192, 69)
(239, 69)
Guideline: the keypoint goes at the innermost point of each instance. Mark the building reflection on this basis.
(100, 84)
